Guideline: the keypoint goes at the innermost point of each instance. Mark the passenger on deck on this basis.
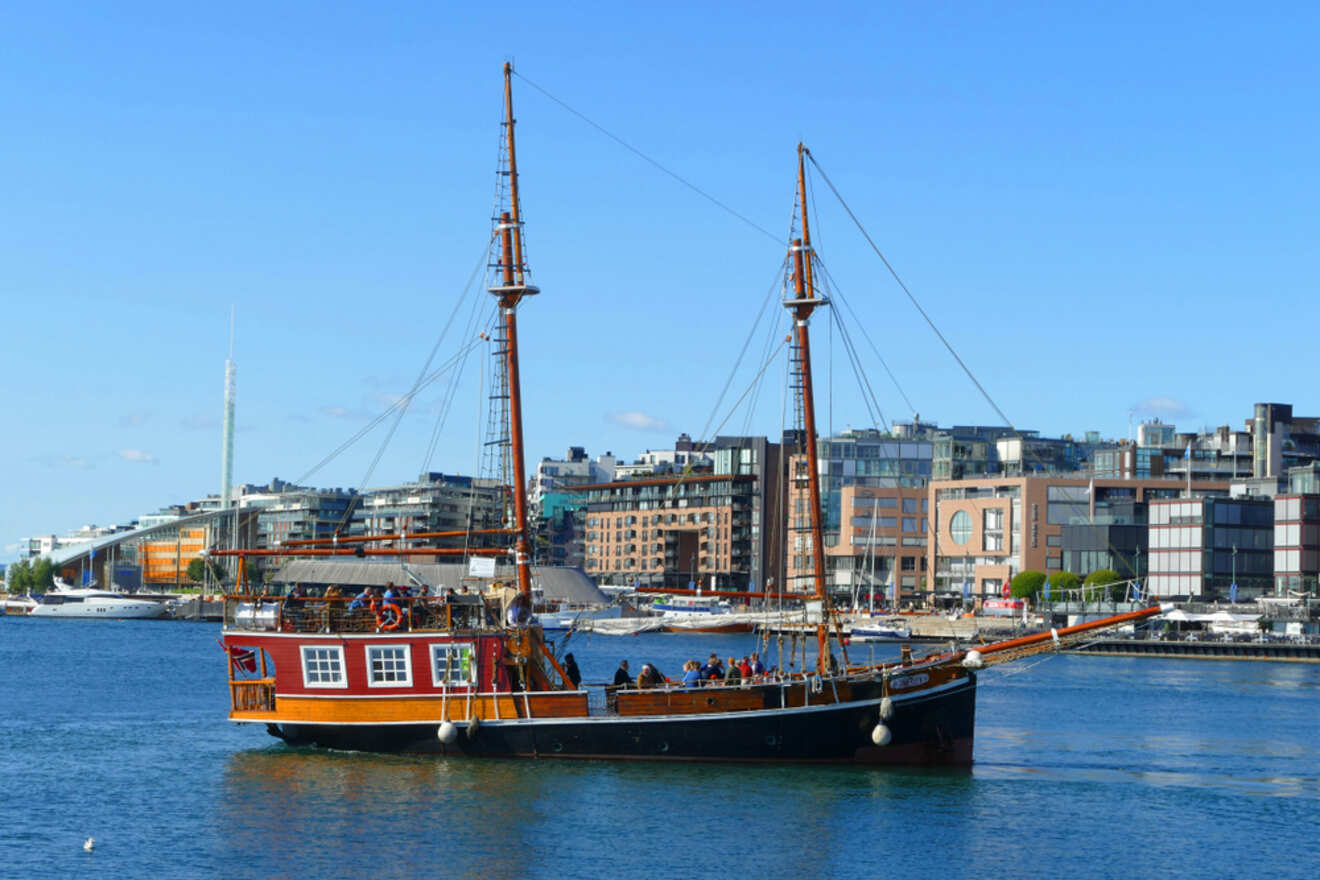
(713, 668)
(360, 600)
(758, 668)
(732, 675)
(571, 671)
(621, 676)
(745, 669)
(691, 674)
(649, 677)
(327, 607)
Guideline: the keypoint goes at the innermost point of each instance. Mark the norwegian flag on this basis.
(243, 659)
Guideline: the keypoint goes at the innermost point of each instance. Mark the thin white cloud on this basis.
(343, 412)
(137, 456)
(1163, 406)
(134, 419)
(638, 421)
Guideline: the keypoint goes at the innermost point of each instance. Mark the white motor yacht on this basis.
(66, 601)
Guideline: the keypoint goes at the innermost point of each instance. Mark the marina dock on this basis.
(1287, 650)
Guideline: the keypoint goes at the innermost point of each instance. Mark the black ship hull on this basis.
(931, 728)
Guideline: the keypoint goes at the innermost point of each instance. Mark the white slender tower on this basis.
(227, 447)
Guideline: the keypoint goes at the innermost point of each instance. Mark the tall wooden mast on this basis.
(802, 305)
(510, 290)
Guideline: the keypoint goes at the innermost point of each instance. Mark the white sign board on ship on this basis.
(481, 567)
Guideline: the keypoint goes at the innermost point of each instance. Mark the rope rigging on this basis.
(647, 159)
(917, 305)
(856, 321)
(766, 307)
(388, 411)
(475, 320)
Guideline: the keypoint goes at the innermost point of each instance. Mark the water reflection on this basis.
(325, 810)
(399, 816)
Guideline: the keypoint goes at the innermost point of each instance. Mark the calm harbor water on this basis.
(1085, 767)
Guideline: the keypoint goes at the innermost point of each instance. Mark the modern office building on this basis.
(1297, 542)
(1160, 451)
(563, 474)
(557, 512)
(882, 541)
(1113, 537)
(669, 531)
(686, 455)
(1280, 440)
(302, 514)
(716, 528)
(1201, 546)
(867, 478)
(983, 532)
(966, 451)
(436, 502)
(153, 557)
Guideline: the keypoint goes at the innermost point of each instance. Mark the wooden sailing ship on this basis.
(472, 675)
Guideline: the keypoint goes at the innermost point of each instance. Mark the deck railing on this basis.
(348, 614)
(256, 695)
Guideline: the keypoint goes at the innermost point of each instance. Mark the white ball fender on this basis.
(886, 708)
(881, 735)
(973, 660)
(447, 733)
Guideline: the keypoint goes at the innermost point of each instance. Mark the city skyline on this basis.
(1101, 220)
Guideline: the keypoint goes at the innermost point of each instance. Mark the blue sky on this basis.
(1106, 209)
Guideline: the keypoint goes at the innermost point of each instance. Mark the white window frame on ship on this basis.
(394, 652)
(453, 652)
(327, 653)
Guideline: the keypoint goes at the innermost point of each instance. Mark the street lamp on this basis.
(1232, 587)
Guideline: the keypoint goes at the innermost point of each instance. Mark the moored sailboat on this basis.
(473, 674)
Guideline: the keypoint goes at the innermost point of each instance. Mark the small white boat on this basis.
(85, 602)
(573, 618)
(704, 605)
(879, 630)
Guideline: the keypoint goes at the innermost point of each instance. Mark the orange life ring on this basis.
(381, 623)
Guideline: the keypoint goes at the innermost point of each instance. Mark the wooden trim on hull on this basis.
(414, 710)
(933, 729)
